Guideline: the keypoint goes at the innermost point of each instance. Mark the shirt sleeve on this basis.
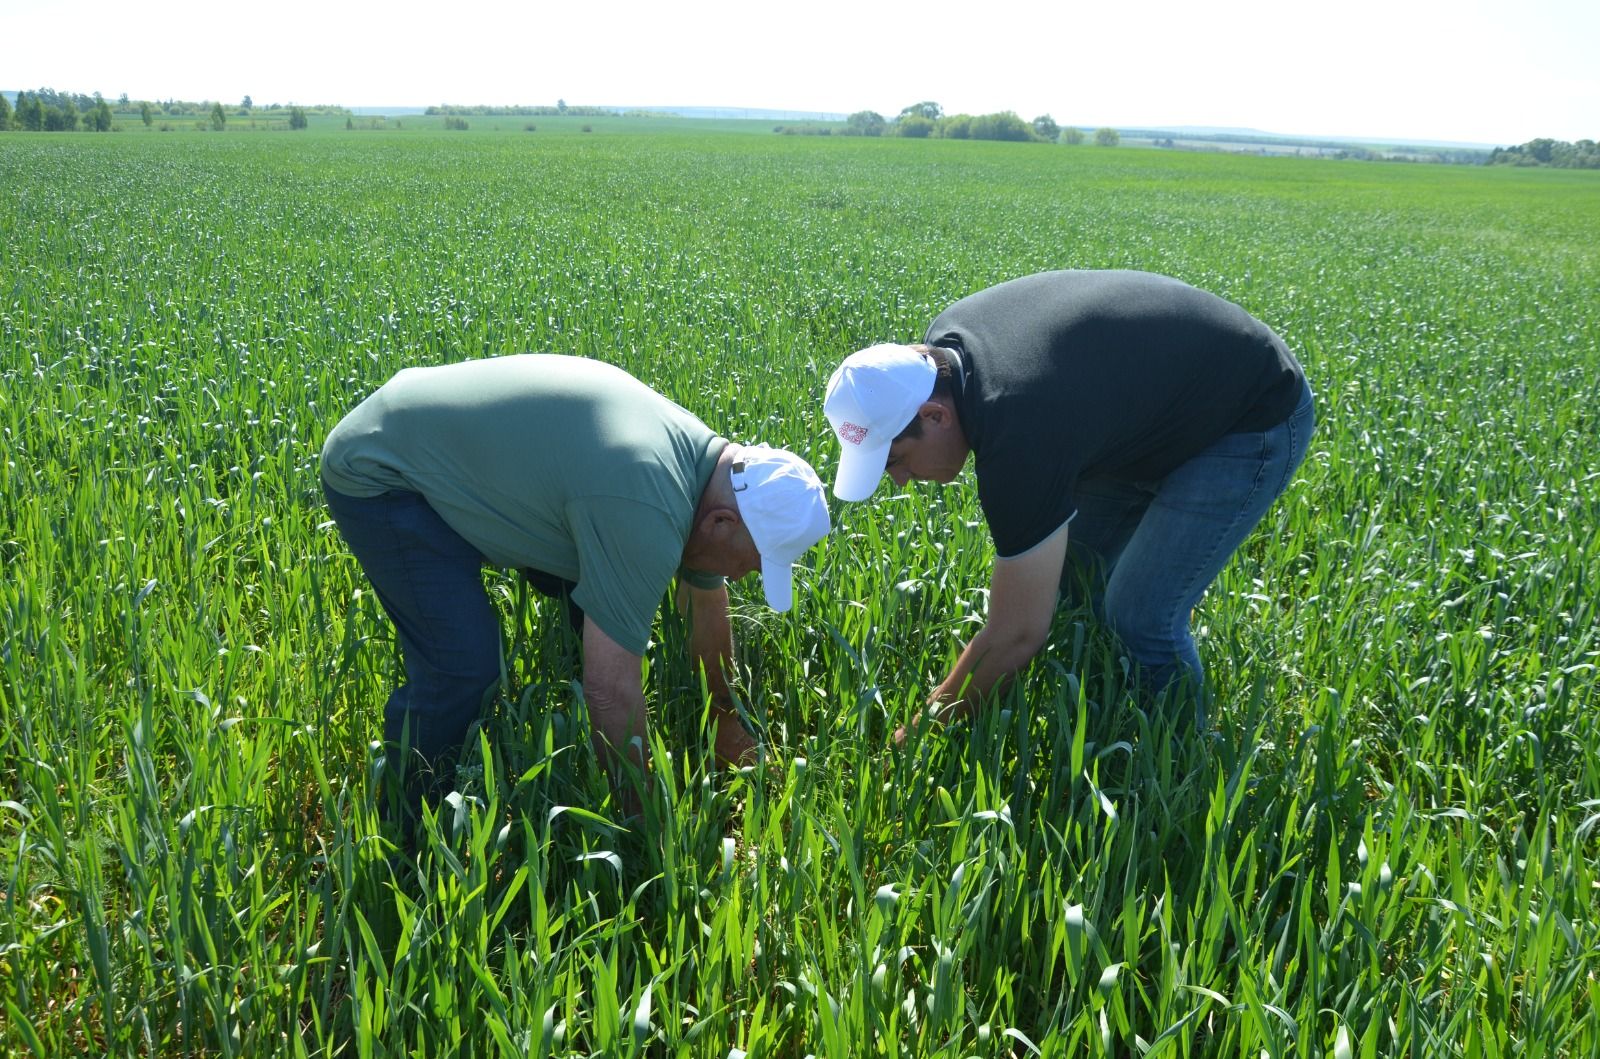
(628, 553)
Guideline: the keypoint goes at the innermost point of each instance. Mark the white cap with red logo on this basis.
(785, 507)
(872, 397)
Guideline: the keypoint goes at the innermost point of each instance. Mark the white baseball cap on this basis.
(785, 507)
(872, 397)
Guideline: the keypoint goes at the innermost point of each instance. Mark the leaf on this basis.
(582, 814)
(605, 855)
(1017, 1035)
(1341, 1044)
(149, 587)
(641, 1015)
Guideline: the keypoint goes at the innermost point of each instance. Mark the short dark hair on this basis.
(942, 386)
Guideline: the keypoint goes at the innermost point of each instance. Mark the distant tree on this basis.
(1004, 125)
(219, 118)
(1106, 136)
(349, 124)
(297, 118)
(100, 116)
(122, 102)
(1045, 127)
(1072, 136)
(5, 113)
(30, 113)
(915, 126)
(38, 115)
(246, 104)
(865, 123)
(561, 106)
(147, 113)
(926, 109)
(956, 126)
(59, 118)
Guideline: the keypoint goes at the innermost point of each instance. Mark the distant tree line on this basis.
(562, 108)
(927, 120)
(46, 110)
(1557, 154)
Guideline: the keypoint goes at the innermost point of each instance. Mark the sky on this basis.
(1494, 72)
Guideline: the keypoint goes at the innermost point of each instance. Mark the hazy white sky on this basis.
(1483, 71)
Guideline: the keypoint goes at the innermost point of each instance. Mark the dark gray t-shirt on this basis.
(564, 464)
(1088, 374)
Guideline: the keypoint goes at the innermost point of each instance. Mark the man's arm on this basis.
(1022, 603)
(614, 689)
(711, 650)
(710, 635)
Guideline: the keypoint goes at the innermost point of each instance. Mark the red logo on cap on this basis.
(853, 434)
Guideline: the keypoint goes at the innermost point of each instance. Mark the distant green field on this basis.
(1391, 847)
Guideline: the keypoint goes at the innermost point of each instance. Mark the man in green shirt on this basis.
(578, 473)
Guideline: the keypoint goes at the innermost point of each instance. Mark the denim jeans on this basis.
(1144, 553)
(430, 581)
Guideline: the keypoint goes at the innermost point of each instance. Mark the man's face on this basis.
(936, 456)
(740, 557)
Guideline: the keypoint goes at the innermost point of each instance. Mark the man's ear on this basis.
(715, 523)
(934, 411)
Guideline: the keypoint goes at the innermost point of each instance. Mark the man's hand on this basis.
(734, 746)
(1022, 602)
(927, 718)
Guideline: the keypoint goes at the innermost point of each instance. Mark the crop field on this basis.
(1389, 846)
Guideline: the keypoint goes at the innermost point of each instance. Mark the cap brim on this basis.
(777, 582)
(860, 470)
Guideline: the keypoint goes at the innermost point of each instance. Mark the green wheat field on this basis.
(1389, 846)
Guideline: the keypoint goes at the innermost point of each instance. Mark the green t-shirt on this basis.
(564, 464)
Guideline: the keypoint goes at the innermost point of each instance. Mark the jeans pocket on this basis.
(1244, 445)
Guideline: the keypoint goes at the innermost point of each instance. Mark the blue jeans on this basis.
(430, 581)
(1144, 553)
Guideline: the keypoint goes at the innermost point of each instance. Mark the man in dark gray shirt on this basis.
(1158, 421)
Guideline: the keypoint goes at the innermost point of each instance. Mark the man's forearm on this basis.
(1022, 601)
(986, 665)
(617, 726)
(711, 640)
